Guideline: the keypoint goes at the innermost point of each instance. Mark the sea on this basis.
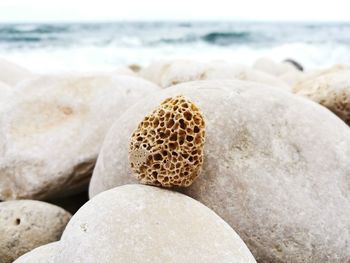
(106, 46)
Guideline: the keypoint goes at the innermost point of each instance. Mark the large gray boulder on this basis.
(137, 223)
(52, 131)
(27, 224)
(276, 168)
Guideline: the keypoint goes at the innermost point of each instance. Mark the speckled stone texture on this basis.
(42, 254)
(52, 130)
(330, 89)
(139, 224)
(27, 224)
(276, 168)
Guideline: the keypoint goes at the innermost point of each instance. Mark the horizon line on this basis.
(98, 21)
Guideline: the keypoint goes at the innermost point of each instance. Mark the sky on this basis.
(150, 10)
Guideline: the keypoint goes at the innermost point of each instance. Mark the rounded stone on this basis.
(329, 88)
(52, 131)
(276, 168)
(170, 72)
(5, 94)
(139, 223)
(27, 224)
(166, 149)
(273, 68)
(12, 74)
(42, 254)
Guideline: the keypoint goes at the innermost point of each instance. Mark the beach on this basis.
(177, 142)
(103, 46)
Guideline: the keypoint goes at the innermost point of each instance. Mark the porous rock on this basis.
(166, 149)
(27, 224)
(139, 223)
(330, 89)
(42, 254)
(12, 74)
(170, 72)
(276, 168)
(53, 129)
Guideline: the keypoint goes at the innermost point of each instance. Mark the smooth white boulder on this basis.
(276, 168)
(284, 71)
(42, 254)
(5, 93)
(138, 223)
(27, 224)
(52, 131)
(170, 72)
(12, 74)
(273, 68)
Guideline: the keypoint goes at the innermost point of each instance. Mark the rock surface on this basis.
(5, 93)
(330, 89)
(27, 224)
(167, 73)
(53, 130)
(42, 254)
(166, 149)
(138, 223)
(276, 168)
(285, 71)
(12, 74)
(275, 69)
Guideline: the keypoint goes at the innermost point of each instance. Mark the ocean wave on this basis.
(227, 38)
(212, 38)
(100, 45)
(32, 29)
(20, 39)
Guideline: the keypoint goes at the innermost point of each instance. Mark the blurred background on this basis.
(47, 36)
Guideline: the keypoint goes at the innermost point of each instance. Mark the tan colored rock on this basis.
(135, 68)
(12, 74)
(170, 72)
(139, 223)
(53, 130)
(42, 254)
(276, 168)
(330, 89)
(27, 224)
(320, 72)
(166, 149)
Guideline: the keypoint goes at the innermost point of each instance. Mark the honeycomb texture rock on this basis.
(166, 149)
